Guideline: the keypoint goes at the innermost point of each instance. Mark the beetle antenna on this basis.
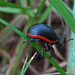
(69, 39)
(61, 43)
(63, 35)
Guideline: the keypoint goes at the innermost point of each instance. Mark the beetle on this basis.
(43, 33)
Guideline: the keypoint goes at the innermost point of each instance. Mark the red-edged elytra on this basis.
(43, 33)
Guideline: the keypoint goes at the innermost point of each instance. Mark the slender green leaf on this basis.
(45, 14)
(71, 59)
(28, 64)
(66, 15)
(3, 3)
(17, 10)
(70, 10)
(74, 10)
(36, 46)
(6, 32)
(13, 28)
(31, 3)
(23, 3)
(24, 66)
(40, 7)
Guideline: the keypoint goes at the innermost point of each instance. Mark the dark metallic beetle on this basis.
(43, 33)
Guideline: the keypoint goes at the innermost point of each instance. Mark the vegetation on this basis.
(18, 16)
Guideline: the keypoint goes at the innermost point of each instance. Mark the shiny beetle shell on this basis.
(43, 32)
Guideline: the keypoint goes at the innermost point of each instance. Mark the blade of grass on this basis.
(13, 28)
(31, 3)
(23, 3)
(45, 14)
(40, 8)
(24, 65)
(17, 11)
(15, 8)
(66, 15)
(71, 60)
(70, 10)
(28, 64)
(6, 32)
(36, 46)
(74, 10)
(3, 3)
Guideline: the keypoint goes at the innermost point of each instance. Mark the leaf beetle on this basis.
(43, 33)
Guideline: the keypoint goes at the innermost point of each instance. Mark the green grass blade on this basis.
(66, 15)
(36, 46)
(28, 64)
(31, 3)
(40, 7)
(13, 28)
(70, 10)
(7, 31)
(23, 3)
(74, 10)
(71, 59)
(17, 10)
(24, 65)
(3, 3)
(45, 14)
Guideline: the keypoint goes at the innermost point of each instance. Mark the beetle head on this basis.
(62, 43)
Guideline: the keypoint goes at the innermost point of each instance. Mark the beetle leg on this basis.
(52, 52)
(44, 50)
(31, 40)
(47, 51)
(28, 40)
(50, 48)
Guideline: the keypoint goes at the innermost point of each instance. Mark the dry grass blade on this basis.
(53, 10)
(7, 31)
(62, 64)
(58, 54)
(71, 73)
(8, 70)
(7, 55)
(33, 69)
